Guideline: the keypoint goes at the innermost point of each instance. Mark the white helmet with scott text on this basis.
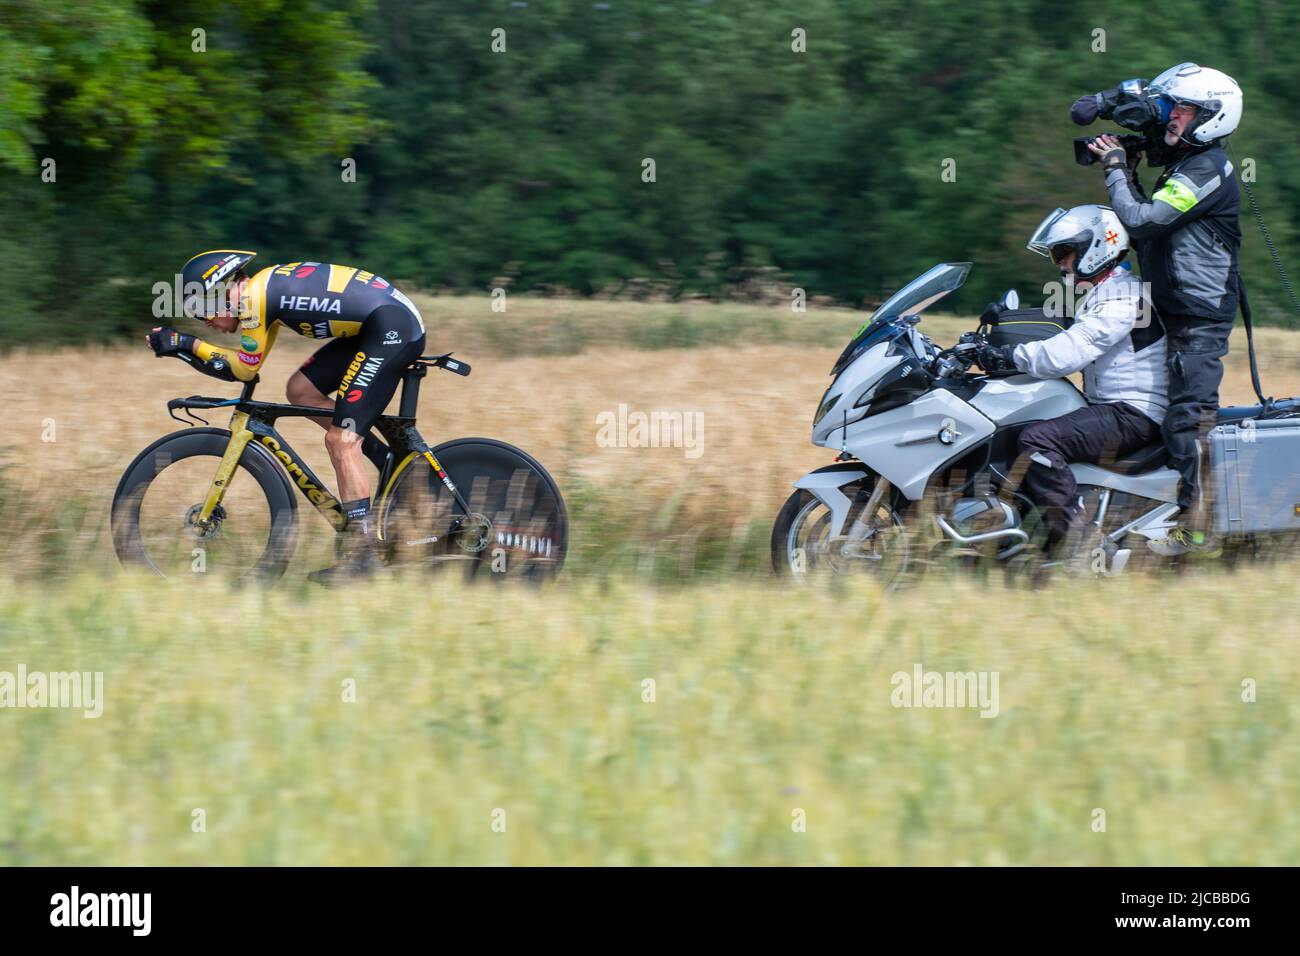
(1215, 94)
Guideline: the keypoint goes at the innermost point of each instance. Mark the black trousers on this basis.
(1196, 349)
(1096, 434)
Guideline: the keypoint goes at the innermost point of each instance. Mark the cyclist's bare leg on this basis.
(300, 391)
(344, 446)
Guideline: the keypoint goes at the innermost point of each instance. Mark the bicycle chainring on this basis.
(473, 532)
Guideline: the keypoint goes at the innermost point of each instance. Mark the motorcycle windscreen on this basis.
(914, 298)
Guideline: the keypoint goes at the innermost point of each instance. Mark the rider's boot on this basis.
(1187, 538)
(359, 548)
(1191, 533)
(1067, 532)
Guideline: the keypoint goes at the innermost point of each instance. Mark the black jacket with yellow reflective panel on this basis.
(315, 299)
(1186, 236)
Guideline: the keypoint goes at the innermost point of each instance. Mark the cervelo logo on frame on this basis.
(315, 494)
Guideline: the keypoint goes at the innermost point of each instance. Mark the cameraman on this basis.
(1187, 240)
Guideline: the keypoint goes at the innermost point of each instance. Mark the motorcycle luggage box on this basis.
(1255, 474)
(1018, 326)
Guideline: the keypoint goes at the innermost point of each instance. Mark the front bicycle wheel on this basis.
(252, 533)
(517, 524)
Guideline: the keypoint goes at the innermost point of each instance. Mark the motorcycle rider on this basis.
(1187, 239)
(1115, 340)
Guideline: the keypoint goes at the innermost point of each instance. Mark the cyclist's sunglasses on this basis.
(221, 299)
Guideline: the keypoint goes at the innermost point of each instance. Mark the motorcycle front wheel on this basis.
(874, 546)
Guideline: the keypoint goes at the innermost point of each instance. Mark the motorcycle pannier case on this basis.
(1019, 326)
(1255, 470)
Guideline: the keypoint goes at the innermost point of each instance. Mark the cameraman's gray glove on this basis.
(1110, 151)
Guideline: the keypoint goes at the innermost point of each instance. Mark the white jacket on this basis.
(1117, 343)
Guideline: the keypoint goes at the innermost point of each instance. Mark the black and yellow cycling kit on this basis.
(376, 331)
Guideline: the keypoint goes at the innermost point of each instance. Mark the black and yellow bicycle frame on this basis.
(255, 421)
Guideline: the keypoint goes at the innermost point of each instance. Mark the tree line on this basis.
(835, 146)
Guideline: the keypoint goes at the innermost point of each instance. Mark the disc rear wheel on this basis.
(516, 525)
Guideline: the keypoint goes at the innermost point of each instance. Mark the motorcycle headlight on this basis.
(866, 397)
(828, 402)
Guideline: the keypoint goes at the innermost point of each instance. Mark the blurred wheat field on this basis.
(544, 371)
(531, 708)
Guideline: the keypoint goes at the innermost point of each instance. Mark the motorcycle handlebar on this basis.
(962, 355)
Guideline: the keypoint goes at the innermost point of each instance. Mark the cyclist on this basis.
(376, 333)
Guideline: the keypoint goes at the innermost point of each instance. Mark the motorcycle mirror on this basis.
(1011, 300)
(912, 319)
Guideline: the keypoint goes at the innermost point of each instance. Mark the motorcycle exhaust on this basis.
(964, 539)
(973, 509)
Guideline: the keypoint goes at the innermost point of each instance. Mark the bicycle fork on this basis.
(239, 439)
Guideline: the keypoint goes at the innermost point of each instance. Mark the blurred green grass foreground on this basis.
(610, 722)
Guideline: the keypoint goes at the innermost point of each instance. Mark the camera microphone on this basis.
(1084, 110)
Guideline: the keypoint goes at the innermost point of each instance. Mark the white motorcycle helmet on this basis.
(1093, 232)
(1215, 94)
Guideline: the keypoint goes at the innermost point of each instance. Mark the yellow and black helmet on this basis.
(200, 276)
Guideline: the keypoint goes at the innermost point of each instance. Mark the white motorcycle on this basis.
(926, 451)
